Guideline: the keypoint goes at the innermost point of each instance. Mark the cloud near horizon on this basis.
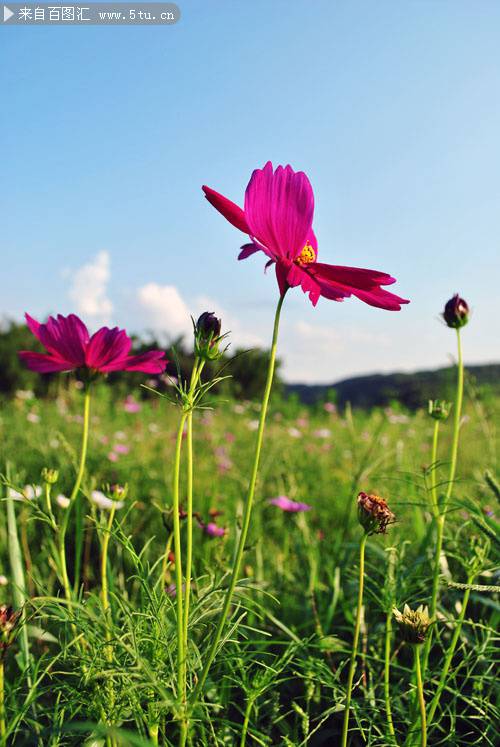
(89, 287)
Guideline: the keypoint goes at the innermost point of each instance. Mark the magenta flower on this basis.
(131, 405)
(286, 504)
(69, 346)
(213, 530)
(278, 216)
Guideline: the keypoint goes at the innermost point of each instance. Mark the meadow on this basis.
(104, 671)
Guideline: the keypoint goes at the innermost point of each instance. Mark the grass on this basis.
(103, 668)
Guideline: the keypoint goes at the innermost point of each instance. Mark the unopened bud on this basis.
(50, 476)
(456, 312)
(413, 624)
(207, 336)
(439, 409)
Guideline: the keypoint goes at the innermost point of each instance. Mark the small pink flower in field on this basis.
(278, 216)
(239, 409)
(32, 417)
(253, 425)
(121, 449)
(329, 407)
(302, 422)
(131, 405)
(230, 437)
(294, 432)
(286, 504)
(213, 530)
(113, 456)
(69, 347)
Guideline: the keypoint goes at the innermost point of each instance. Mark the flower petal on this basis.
(338, 282)
(152, 362)
(43, 363)
(248, 249)
(228, 209)
(66, 337)
(105, 347)
(279, 209)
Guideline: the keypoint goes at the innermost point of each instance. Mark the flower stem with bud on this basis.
(247, 512)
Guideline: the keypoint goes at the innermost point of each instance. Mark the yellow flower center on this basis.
(306, 256)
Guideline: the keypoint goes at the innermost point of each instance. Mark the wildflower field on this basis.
(179, 567)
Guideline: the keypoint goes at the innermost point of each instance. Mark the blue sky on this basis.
(392, 108)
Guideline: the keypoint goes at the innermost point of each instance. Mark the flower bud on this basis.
(50, 476)
(207, 336)
(439, 409)
(374, 514)
(456, 312)
(9, 621)
(413, 624)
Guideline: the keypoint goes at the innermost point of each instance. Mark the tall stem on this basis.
(181, 656)
(104, 581)
(195, 376)
(73, 497)
(247, 512)
(449, 655)
(352, 666)
(387, 647)
(441, 510)
(420, 695)
(434, 455)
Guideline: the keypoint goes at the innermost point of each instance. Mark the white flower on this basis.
(294, 432)
(16, 495)
(32, 417)
(121, 436)
(4, 580)
(62, 501)
(104, 502)
(31, 492)
(322, 433)
(25, 394)
(253, 424)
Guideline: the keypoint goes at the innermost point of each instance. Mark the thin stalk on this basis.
(420, 695)
(247, 511)
(441, 510)
(435, 439)
(195, 376)
(181, 655)
(449, 656)
(104, 581)
(3, 729)
(246, 721)
(352, 666)
(388, 641)
(74, 493)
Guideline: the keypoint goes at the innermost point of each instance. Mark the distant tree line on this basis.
(246, 369)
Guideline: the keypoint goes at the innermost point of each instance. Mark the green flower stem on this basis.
(181, 655)
(354, 652)
(434, 456)
(441, 511)
(104, 580)
(3, 729)
(74, 493)
(195, 377)
(246, 721)
(449, 654)
(420, 695)
(247, 512)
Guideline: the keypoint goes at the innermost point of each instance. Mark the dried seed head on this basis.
(456, 312)
(413, 624)
(374, 514)
(9, 620)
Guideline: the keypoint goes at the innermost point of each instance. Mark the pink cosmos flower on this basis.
(69, 346)
(121, 449)
(277, 216)
(286, 504)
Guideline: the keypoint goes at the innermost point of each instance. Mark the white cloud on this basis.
(88, 288)
(162, 309)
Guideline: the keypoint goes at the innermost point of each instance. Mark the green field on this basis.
(280, 672)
